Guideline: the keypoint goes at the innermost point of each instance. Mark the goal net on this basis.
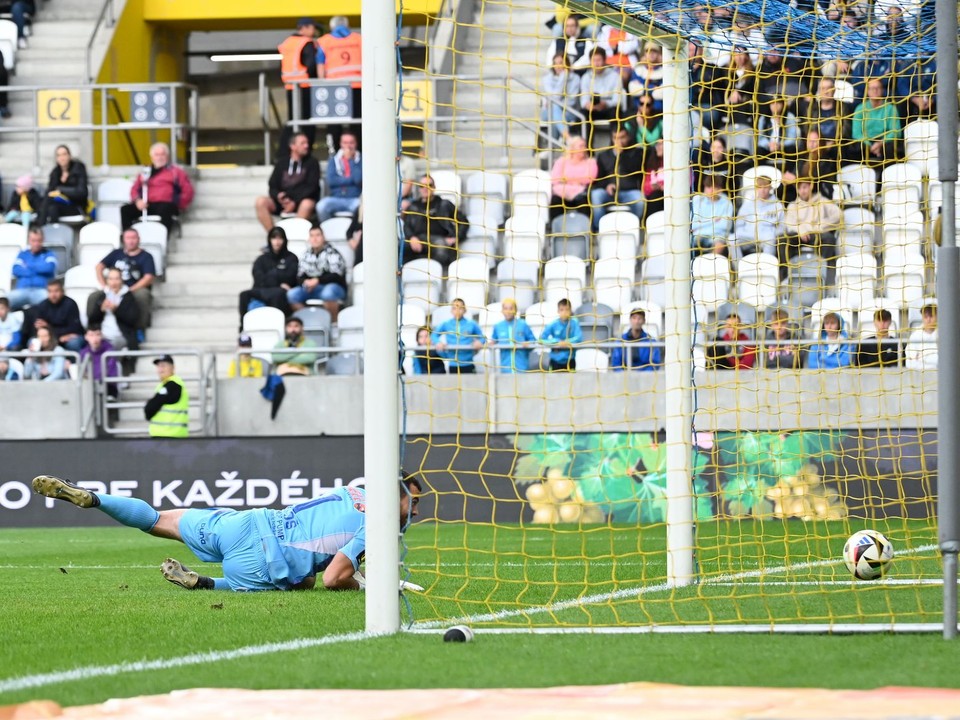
(668, 314)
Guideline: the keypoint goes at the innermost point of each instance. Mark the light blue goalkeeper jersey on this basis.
(301, 540)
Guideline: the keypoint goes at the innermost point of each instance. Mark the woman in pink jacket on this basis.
(570, 179)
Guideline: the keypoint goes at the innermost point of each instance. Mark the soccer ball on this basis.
(867, 554)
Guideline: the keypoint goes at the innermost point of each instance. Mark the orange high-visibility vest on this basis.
(292, 70)
(343, 56)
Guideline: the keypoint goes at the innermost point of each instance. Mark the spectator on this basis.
(717, 160)
(433, 226)
(344, 180)
(33, 269)
(294, 185)
(571, 177)
(828, 116)
(322, 275)
(811, 221)
(876, 126)
(458, 339)
(779, 75)
(95, 349)
(9, 327)
(740, 97)
(245, 365)
(298, 65)
(781, 349)
(575, 44)
(880, 349)
(20, 10)
(620, 46)
(5, 113)
(619, 178)
(137, 270)
(7, 372)
(162, 189)
(25, 201)
(831, 352)
(115, 312)
(916, 87)
(274, 275)
(921, 352)
(169, 409)
(732, 350)
(648, 125)
(601, 92)
(711, 219)
(59, 314)
(639, 354)
(653, 178)
(297, 360)
(561, 86)
(647, 79)
(355, 233)
(777, 132)
(562, 334)
(425, 360)
(46, 367)
(820, 161)
(67, 191)
(514, 333)
(340, 55)
(707, 85)
(760, 221)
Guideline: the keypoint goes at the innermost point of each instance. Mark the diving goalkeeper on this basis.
(260, 549)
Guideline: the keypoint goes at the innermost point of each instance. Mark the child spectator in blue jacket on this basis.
(513, 331)
(638, 355)
(833, 351)
(563, 333)
(463, 334)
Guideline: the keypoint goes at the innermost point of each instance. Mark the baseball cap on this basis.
(245, 341)
(163, 359)
(306, 21)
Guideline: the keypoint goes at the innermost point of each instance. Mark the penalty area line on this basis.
(88, 672)
(635, 592)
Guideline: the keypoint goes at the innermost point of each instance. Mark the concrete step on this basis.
(240, 212)
(49, 52)
(198, 337)
(219, 229)
(181, 303)
(222, 317)
(232, 173)
(202, 289)
(39, 72)
(210, 274)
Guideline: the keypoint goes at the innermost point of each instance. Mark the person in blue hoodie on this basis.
(833, 350)
(516, 335)
(563, 333)
(639, 355)
(458, 339)
(33, 268)
(344, 180)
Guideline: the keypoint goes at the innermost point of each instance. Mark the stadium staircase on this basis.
(55, 54)
(493, 49)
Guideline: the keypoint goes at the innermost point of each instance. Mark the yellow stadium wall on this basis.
(140, 52)
(258, 15)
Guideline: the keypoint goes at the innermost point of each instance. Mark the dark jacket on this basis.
(782, 354)
(63, 318)
(32, 195)
(75, 188)
(271, 270)
(440, 218)
(872, 353)
(308, 187)
(127, 314)
(624, 170)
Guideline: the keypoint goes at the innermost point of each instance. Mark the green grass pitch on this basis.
(82, 599)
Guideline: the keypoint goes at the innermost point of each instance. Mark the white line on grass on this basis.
(80, 567)
(898, 582)
(94, 671)
(628, 593)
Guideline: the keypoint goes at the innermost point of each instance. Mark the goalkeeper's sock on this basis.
(131, 512)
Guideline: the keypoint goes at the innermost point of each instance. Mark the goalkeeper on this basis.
(260, 549)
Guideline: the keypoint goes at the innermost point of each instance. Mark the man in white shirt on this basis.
(759, 221)
(921, 352)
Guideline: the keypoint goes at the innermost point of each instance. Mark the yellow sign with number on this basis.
(58, 108)
(416, 100)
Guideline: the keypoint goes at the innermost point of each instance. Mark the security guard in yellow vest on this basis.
(168, 409)
(298, 65)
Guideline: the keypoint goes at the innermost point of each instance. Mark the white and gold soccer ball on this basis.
(867, 554)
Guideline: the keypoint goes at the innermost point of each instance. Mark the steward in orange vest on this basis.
(298, 55)
(339, 53)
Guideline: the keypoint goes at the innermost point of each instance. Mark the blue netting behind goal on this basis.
(799, 32)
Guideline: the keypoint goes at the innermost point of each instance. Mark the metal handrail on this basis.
(106, 12)
(104, 127)
(107, 405)
(112, 99)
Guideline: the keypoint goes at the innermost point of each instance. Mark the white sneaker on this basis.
(22, 43)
